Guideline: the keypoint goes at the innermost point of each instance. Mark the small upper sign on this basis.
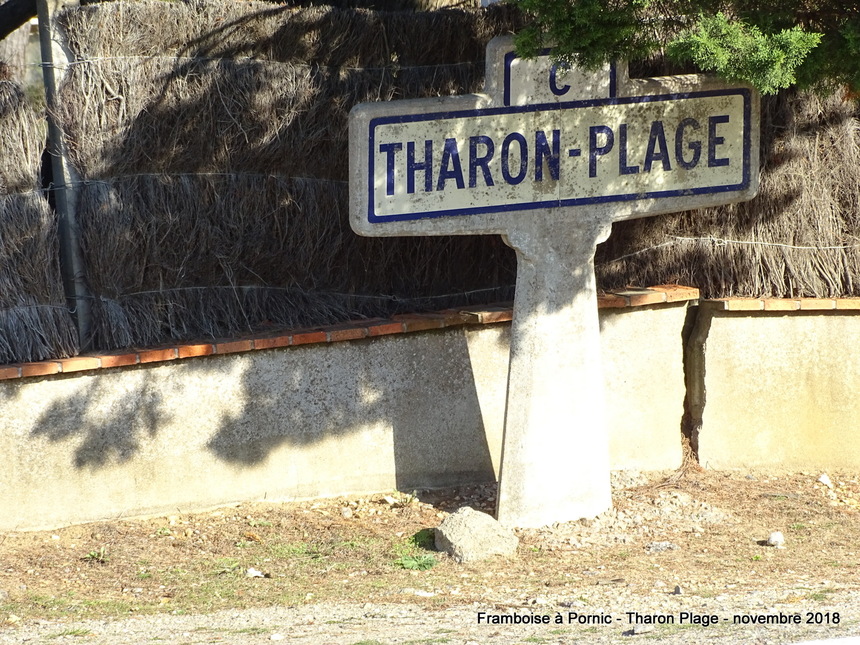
(532, 81)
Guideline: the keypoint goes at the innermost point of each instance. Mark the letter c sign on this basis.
(553, 82)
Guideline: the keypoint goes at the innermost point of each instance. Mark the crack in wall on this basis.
(694, 336)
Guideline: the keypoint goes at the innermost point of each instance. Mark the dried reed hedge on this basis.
(799, 237)
(21, 139)
(281, 248)
(323, 36)
(34, 322)
(212, 142)
(167, 116)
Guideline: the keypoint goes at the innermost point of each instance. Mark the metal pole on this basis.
(78, 297)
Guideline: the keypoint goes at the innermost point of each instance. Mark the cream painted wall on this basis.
(779, 389)
(406, 411)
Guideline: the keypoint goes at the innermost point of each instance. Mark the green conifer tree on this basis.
(772, 44)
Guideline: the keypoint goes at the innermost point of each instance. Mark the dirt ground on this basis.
(702, 534)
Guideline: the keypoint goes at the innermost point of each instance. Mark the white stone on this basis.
(776, 539)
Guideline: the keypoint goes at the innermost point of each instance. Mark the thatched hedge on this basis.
(799, 237)
(212, 141)
(34, 321)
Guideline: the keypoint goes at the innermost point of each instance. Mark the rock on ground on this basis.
(469, 535)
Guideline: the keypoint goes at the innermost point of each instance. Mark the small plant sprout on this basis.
(226, 566)
(424, 539)
(420, 562)
(97, 555)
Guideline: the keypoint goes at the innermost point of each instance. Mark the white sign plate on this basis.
(443, 164)
(584, 143)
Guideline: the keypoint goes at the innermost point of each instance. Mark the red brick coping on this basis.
(352, 330)
(784, 304)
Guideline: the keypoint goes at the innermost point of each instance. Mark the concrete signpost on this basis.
(548, 159)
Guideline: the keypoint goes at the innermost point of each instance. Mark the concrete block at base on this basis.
(776, 389)
(405, 411)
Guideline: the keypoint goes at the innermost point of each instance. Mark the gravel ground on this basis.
(387, 623)
(764, 601)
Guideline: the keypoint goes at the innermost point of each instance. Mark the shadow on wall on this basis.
(309, 416)
(111, 423)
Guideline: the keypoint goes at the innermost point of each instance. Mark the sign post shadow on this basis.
(549, 159)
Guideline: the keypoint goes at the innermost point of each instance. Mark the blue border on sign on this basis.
(506, 84)
(547, 107)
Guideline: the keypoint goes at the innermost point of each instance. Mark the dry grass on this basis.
(211, 137)
(21, 140)
(34, 322)
(167, 116)
(323, 36)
